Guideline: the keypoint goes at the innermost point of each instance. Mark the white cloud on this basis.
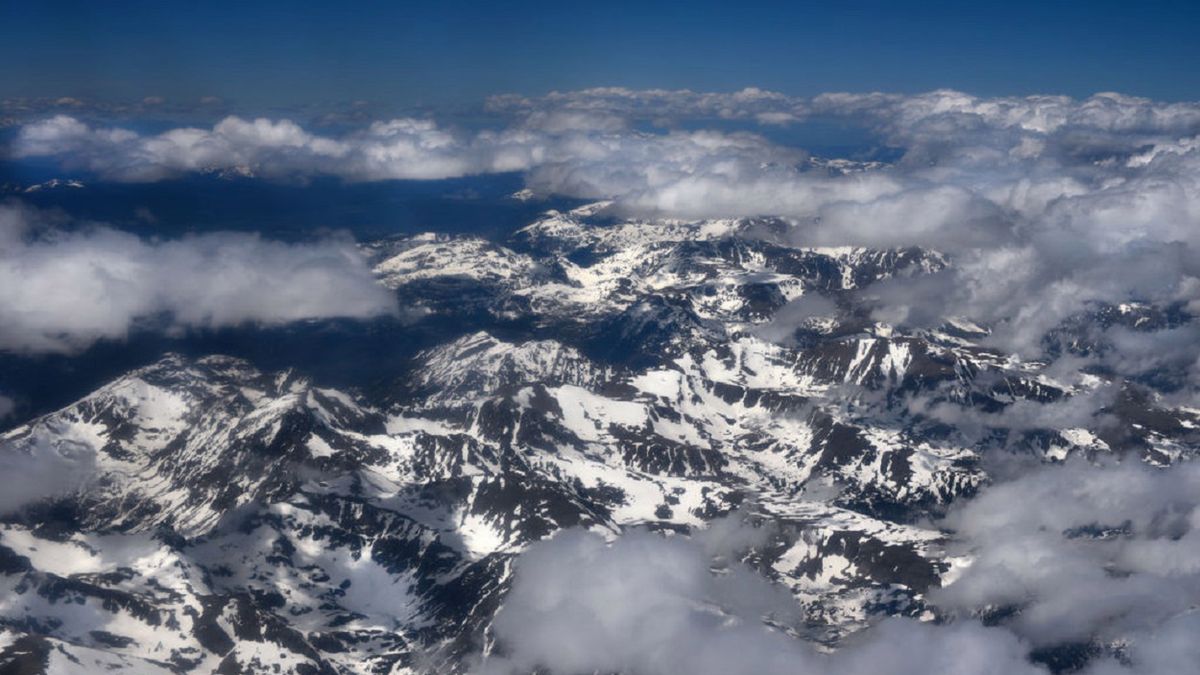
(1171, 649)
(666, 106)
(35, 469)
(275, 148)
(1082, 552)
(1046, 204)
(649, 605)
(61, 291)
(947, 110)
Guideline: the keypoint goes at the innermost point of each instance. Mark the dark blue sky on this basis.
(286, 53)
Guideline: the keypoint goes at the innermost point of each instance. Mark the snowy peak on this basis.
(427, 257)
(179, 442)
(479, 364)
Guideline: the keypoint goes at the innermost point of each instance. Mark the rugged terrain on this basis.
(604, 374)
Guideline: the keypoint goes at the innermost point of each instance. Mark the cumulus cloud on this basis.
(1048, 207)
(968, 161)
(404, 148)
(665, 106)
(60, 290)
(642, 605)
(578, 154)
(1170, 649)
(36, 469)
(1080, 553)
(649, 605)
(899, 113)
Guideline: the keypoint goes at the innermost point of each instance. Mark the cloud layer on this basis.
(1048, 205)
(36, 470)
(61, 291)
(650, 605)
(1072, 554)
(1083, 554)
(1083, 551)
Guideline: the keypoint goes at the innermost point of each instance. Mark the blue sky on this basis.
(287, 53)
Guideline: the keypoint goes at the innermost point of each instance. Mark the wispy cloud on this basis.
(37, 469)
(60, 291)
(654, 606)
(1085, 553)
(1047, 204)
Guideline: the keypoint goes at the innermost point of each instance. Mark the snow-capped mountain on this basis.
(213, 517)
